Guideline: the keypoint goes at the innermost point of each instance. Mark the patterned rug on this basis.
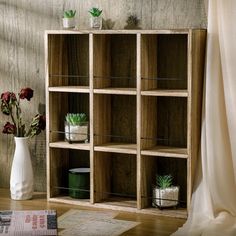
(92, 223)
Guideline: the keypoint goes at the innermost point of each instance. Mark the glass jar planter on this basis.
(96, 22)
(167, 197)
(76, 133)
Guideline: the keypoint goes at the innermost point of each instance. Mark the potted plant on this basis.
(164, 193)
(76, 127)
(69, 19)
(96, 19)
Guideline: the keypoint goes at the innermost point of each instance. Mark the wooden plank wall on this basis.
(22, 25)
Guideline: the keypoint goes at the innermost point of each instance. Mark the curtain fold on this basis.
(213, 206)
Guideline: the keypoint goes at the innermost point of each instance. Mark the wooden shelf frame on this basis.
(154, 53)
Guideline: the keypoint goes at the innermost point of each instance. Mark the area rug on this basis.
(92, 223)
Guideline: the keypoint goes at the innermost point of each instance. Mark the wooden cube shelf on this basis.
(142, 92)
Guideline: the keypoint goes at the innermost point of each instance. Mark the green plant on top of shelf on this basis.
(164, 181)
(95, 12)
(69, 14)
(76, 118)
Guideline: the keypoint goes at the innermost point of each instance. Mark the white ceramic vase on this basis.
(22, 180)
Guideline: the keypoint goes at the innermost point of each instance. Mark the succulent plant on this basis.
(164, 181)
(69, 14)
(76, 118)
(95, 12)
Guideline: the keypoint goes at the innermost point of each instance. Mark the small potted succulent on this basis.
(96, 19)
(164, 193)
(69, 19)
(76, 127)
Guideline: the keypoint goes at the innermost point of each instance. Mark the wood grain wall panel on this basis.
(22, 25)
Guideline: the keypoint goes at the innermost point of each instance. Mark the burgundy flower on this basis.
(9, 128)
(7, 97)
(26, 93)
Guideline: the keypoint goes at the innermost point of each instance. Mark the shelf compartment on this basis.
(114, 60)
(165, 93)
(163, 122)
(69, 89)
(151, 166)
(164, 61)
(166, 152)
(114, 119)
(66, 145)
(61, 161)
(117, 148)
(111, 169)
(117, 91)
(61, 103)
(68, 63)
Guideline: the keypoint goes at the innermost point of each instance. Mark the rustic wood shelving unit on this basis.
(142, 92)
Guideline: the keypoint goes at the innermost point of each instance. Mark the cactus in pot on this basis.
(96, 19)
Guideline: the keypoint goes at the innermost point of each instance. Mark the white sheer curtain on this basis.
(213, 208)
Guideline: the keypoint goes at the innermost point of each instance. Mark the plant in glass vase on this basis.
(21, 180)
(76, 127)
(164, 193)
(96, 19)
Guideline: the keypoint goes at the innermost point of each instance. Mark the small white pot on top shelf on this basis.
(69, 19)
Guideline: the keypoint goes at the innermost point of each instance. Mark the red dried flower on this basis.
(26, 93)
(7, 97)
(10, 105)
(9, 128)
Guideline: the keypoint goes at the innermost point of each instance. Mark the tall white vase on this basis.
(22, 180)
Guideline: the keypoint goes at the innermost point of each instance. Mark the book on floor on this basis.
(41, 222)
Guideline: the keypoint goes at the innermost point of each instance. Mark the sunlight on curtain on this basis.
(213, 209)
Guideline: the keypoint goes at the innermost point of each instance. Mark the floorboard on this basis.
(149, 224)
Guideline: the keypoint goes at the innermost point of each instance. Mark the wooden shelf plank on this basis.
(124, 205)
(166, 151)
(69, 200)
(165, 93)
(176, 213)
(127, 148)
(70, 89)
(66, 145)
(116, 202)
(121, 91)
(84, 31)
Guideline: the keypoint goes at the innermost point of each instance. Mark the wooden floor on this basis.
(149, 224)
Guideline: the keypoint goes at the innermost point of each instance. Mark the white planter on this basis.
(21, 180)
(96, 22)
(76, 133)
(167, 197)
(68, 22)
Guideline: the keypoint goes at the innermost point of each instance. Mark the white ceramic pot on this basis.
(22, 179)
(68, 22)
(96, 22)
(167, 197)
(76, 133)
